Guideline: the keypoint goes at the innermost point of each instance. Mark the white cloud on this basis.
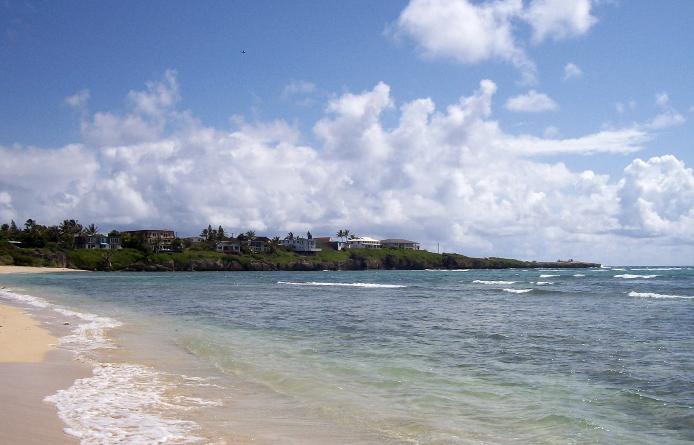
(298, 87)
(559, 19)
(467, 32)
(531, 102)
(78, 100)
(662, 99)
(448, 174)
(481, 31)
(657, 198)
(666, 119)
(572, 71)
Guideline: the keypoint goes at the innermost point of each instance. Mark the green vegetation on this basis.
(53, 246)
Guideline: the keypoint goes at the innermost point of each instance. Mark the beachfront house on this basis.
(361, 242)
(97, 241)
(396, 243)
(230, 246)
(160, 240)
(300, 244)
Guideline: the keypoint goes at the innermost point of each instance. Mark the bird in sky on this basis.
(243, 51)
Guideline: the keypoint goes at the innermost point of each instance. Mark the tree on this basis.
(91, 230)
(290, 236)
(13, 228)
(308, 235)
(68, 229)
(220, 234)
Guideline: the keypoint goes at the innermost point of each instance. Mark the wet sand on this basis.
(31, 368)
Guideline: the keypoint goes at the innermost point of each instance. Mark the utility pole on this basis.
(437, 248)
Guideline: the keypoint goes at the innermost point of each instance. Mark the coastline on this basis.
(32, 269)
(31, 368)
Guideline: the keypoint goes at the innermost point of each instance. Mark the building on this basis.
(361, 242)
(231, 246)
(258, 244)
(97, 241)
(161, 240)
(396, 243)
(300, 244)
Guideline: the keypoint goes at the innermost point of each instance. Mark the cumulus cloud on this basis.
(572, 71)
(657, 198)
(668, 117)
(476, 32)
(440, 174)
(531, 102)
(559, 19)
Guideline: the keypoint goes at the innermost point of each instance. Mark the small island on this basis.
(71, 245)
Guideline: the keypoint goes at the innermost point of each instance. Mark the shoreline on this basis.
(4, 270)
(32, 368)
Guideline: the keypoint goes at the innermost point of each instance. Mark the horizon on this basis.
(518, 129)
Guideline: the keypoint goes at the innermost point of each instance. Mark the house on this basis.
(258, 244)
(97, 241)
(361, 242)
(231, 246)
(396, 243)
(300, 244)
(161, 240)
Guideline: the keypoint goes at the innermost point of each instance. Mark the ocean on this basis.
(570, 356)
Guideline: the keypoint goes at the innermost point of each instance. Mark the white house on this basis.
(300, 244)
(232, 246)
(361, 242)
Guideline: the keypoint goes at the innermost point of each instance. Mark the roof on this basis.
(363, 238)
(398, 241)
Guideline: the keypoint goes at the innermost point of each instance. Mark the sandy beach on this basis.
(28, 269)
(31, 368)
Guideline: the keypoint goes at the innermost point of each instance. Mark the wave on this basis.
(447, 270)
(579, 275)
(658, 268)
(654, 295)
(493, 282)
(366, 285)
(542, 283)
(628, 276)
(518, 291)
(548, 275)
(120, 402)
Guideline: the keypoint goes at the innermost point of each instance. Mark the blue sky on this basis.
(305, 60)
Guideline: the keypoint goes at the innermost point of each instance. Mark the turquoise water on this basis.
(447, 357)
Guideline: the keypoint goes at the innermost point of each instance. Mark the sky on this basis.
(537, 129)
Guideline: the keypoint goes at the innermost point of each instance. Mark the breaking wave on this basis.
(120, 402)
(629, 276)
(366, 285)
(654, 295)
(492, 282)
(518, 291)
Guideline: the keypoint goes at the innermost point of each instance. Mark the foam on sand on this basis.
(120, 402)
(628, 276)
(492, 282)
(365, 285)
(518, 291)
(654, 295)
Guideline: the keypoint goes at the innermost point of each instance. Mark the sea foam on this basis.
(654, 295)
(492, 282)
(548, 275)
(518, 291)
(366, 285)
(121, 402)
(629, 276)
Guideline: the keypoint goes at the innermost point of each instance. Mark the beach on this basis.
(31, 368)
(27, 269)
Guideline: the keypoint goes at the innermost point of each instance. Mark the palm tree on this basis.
(290, 236)
(91, 229)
